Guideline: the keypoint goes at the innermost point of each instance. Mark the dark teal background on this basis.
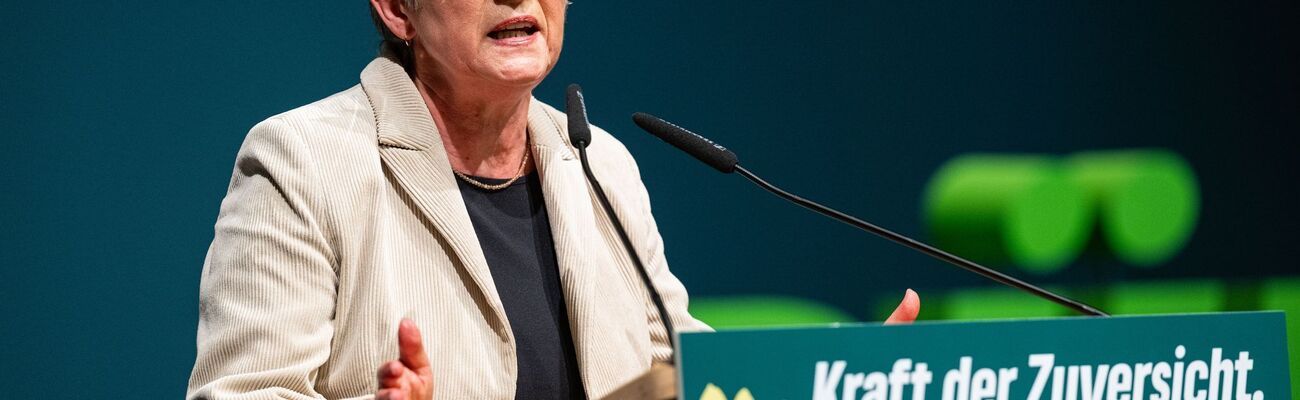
(122, 119)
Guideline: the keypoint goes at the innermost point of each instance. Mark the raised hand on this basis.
(410, 377)
(907, 309)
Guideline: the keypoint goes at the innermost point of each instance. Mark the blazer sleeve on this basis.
(670, 288)
(266, 296)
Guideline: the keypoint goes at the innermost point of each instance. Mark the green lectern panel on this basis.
(1230, 356)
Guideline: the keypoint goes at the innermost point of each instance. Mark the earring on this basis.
(408, 43)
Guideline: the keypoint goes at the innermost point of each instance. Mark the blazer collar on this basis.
(412, 151)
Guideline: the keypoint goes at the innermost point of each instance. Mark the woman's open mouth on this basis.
(515, 28)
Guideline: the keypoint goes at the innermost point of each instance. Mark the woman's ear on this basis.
(393, 14)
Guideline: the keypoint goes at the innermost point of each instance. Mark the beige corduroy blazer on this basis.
(343, 217)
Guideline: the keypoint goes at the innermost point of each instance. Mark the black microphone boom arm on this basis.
(580, 137)
(921, 247)
(726, 162)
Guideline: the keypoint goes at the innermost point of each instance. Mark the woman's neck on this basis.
(483, 136)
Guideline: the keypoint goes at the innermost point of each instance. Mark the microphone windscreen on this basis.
(579, 126)
(697, 146)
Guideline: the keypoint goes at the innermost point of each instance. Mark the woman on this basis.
(437, 193)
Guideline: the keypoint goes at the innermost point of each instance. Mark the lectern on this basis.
(1222, 356)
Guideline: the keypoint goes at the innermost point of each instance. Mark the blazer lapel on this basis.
(607, 321)
(598, 300)
(411, 148)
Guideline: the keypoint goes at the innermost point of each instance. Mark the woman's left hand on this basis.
(907, 309)
(411, 376)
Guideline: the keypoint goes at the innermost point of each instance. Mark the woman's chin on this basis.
(526, 74)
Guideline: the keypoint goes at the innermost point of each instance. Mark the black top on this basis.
(513, 228)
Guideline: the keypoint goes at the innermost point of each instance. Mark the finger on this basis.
(390, 374)
(907, 309)
(389, 394)
(411, 346)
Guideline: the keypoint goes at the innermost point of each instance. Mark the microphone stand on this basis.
(627, 244)
(921, 247)
(580, 137)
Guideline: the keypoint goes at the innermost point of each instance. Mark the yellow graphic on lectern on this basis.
(712, 392)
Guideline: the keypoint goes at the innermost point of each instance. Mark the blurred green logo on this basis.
(1042, 212)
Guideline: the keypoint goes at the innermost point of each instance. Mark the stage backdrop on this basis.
(122, 119)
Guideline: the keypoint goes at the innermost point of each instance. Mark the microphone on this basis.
(580, 137)
(725, 161)
(579, 126)
(697, 146)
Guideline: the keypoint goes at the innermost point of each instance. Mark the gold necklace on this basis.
(520, 174)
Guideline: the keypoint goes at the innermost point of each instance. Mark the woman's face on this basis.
(488, 42)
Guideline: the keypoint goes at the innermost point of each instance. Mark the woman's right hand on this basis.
(410, 377)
